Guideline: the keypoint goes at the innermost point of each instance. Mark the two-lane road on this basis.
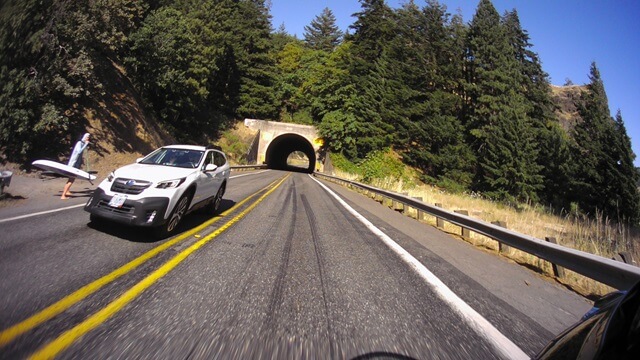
(293, 268)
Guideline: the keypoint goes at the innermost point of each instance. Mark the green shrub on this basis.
(234, 147)
(382, 164)
(339, 161)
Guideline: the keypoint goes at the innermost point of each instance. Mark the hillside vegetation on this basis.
(467, 106)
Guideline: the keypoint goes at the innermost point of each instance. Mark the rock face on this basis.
(566, 98)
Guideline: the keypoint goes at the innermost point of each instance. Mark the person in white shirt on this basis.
(75, 160)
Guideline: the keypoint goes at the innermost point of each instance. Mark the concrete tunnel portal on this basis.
(284, 145)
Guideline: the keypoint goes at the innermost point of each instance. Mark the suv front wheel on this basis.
(176, 216)
(217, 200)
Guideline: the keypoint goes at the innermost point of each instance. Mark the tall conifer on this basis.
(373, 30)
(497, 113)
(421, 95)
(603, 179)
(628, 198)
(252, 39)
(323, 33)
(535, 87)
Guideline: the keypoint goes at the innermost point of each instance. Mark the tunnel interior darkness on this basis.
(280, 148)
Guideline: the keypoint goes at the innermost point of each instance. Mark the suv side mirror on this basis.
(210, 167)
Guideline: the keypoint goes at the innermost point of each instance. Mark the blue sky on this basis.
(567, 35)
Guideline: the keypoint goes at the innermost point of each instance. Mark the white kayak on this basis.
(62, 169)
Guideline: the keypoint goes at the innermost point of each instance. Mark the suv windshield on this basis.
(174, 157)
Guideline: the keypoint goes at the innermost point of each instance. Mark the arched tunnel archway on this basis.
(282, 146)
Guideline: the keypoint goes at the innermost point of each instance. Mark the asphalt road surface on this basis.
(293, 268)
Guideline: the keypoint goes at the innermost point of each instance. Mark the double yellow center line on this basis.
(66, 339)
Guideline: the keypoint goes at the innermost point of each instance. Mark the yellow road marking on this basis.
(63, 304)
(52, 349)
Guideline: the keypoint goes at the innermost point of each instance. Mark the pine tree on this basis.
(323, 33)
(332, 95)
(252, 39)
(555, 154)
(420, 96)
(373, 30)
(604, 179)
(497, 113)
(52, 59)
(628, 198)
(292, 73)
(535, 87)
(280, 38)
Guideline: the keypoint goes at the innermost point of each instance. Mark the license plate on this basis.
(117, 201)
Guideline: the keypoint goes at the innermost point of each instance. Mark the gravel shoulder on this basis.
(33, 193)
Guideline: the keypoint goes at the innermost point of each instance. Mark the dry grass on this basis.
(599, 236)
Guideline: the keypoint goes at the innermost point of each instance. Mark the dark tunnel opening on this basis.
(284, 145)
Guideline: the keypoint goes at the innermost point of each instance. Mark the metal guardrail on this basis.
(607, 271)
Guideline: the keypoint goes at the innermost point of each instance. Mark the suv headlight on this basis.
(170, 184)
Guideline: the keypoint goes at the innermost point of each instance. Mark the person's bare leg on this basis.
(65, 192)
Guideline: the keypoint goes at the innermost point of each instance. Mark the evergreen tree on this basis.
(53, 56)
(332, 95)
(280, 38)
(534, 82)
(252, 39)
(589, 145)
(373, 30)
(165, 49)
(421, 96)
(535, 87)
(323, 33)
(628, 198)
(291, 75)
(556, 158)
(456, 68)
(604, 178)
(497, 113)
(329, 86)
(23, 119)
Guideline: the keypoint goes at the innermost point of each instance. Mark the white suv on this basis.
(159, 189)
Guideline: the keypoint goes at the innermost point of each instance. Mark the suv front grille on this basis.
(129, 186)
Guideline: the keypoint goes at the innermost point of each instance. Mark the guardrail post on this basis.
(420, 214)
(629, 258)
(396, 205)
(502, 247)
(625, 257)
(405, 208)
(466, 234)
(558, 271)
(388, 202)
(439, 221)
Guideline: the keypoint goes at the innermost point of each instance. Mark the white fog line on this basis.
(501, 343)
(41, 213)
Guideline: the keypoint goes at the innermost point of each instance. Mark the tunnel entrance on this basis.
(286, 152)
